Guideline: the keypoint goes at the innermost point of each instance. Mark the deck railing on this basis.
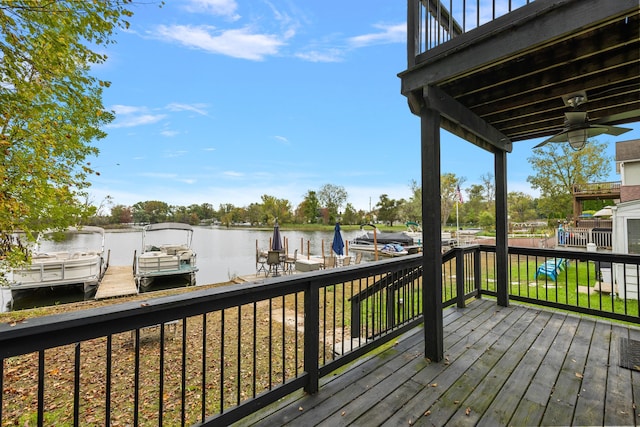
(205, 357)
(601, 238)
(595, 283)
(211, 357)
(433, 22)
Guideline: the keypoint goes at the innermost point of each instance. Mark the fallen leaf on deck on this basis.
(467, 411)
(434, 385)
(578, 374)
(426, 414)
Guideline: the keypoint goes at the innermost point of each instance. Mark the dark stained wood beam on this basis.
(502, 229)
(432, 244)
(463, 122)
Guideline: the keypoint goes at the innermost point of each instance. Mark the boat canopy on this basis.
(168, 226)
(386, 237)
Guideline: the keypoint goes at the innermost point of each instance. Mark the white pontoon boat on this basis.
(164, 254)
(60, 264)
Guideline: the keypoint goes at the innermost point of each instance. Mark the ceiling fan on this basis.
(577, 126)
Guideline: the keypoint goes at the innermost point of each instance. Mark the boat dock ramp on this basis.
(117, 282)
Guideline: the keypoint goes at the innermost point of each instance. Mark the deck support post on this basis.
(502, 236)
(432, 242)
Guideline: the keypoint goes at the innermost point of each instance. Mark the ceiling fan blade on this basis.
(627, 115)
(556, 138)
(575, 117)
(609, 130)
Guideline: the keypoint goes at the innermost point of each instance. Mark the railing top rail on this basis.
(566, 253)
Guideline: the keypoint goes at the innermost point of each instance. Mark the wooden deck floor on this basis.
(515, 366)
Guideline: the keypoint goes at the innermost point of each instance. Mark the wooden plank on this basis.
(511, 348)
(531, 408)
(508, 398)
(590, 405)
(562, 403)
(117, 282)
(634, 334)
(619, 400)
(438, 378)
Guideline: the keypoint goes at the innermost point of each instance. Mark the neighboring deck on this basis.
(117, 282)
(503, 366)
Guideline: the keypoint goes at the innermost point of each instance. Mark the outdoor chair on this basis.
(274, 263)
(329, 262)
(358, 258)
(261, 261)
(346, 261)
(290, 263)
(551, 268)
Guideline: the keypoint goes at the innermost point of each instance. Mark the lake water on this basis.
(222, 255)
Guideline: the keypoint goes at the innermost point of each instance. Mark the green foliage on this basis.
(350, 215)
(309, 208)
(558, 167)
(388, 209)
(521, 206)
(448, 183)
(486, 219)
(276, 209)
(51, 108)
(332, 197)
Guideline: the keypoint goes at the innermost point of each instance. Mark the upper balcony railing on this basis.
(597, 188)
(433, 22)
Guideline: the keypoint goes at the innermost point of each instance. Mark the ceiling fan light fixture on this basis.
(577, 138)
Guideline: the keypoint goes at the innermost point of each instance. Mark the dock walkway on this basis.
(117, 282)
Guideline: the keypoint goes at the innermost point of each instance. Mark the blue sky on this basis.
(222, 101)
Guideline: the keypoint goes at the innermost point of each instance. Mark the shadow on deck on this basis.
(503, 366)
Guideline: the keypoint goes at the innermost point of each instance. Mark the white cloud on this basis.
(328, 55)
(158, 175)
(386, 34)
(237, 43)
(233, 174)
(169, 133)
(172, 154)
(196, 108)
(226, 8)
(132, 120)
(127, 109)
(281, 139)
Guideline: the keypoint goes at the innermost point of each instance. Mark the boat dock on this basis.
(117, 282)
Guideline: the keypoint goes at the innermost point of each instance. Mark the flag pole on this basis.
(457, 225)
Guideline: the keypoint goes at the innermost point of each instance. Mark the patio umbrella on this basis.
(606, 211)
(276, 241)
(338, 244)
